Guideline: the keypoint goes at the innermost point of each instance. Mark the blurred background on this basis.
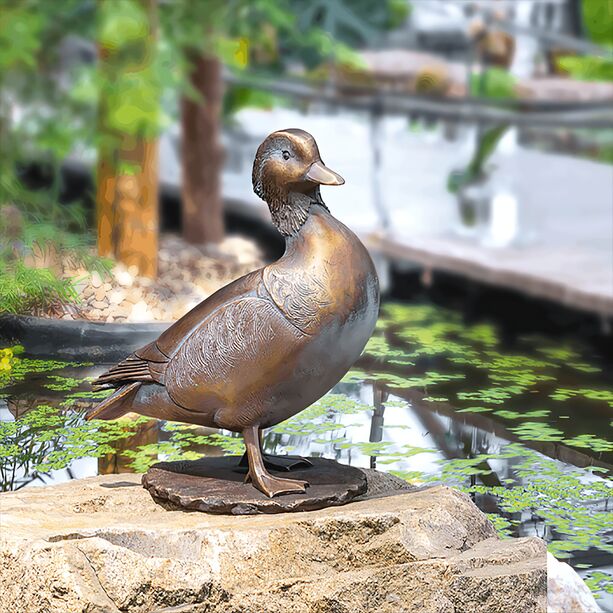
(476, 141)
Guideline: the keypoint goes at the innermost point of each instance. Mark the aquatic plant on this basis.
(145, 456)
(493, 395)
(46, 439)
(59, 383)
(537, 431)
(507, 414)
(184, 443)
(598, 581)
(589, 441)
(15, 368)
(379, 348)
(475, 410)
(590, 394)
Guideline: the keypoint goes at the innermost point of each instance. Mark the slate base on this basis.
(215, 485)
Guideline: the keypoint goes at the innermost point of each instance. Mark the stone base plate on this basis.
(215, 485)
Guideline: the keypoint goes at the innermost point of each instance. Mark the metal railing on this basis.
(588, 114)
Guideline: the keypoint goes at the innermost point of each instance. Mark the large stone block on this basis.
(103, 545)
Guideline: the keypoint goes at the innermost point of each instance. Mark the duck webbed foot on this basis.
(276, 486)
(260, 477)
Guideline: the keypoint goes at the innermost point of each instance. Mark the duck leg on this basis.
(261, 478)
(277, 462)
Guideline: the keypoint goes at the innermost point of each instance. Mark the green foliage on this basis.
(598, 21)
(28, 290)
(412, 340)
(109, 104)
(50, 119)
(50, 123)
(56, 116)
(271, 36)
(589, 441)
(475, 410)
(20, 37)
(379, 348)
(182, 439)
(145, 456)
(24, 445)
(488, 141)
(239, 97)
(598, 25)
(322, 418)
(353, 376)
(327, 29)
(494, 83)
(486, 147)
(58, 383)
(129, 79)
(561, 353)
(355, 22)
(588, 67)
(561, 496)
(123, 22)
(507, 414)
(47, 230)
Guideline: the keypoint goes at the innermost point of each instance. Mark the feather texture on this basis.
(237, 343)
(132, 368)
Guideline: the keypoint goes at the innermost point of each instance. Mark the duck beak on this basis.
(322, 175)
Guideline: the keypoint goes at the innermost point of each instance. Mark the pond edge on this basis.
(77, 339)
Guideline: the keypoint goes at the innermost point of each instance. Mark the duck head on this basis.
(287, 173)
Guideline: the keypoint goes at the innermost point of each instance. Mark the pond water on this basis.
(522, 424)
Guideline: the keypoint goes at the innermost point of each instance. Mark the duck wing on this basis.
(226, 358)
(149, 362)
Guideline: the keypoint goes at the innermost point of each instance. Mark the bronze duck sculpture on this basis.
(271, 343)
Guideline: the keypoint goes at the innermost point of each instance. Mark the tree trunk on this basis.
(201, 153)
(135, 233)
(127, 169)
(105, 196)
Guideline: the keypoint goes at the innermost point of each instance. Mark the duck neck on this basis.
(290, 210)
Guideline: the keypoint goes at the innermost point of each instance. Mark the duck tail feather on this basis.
(116, 404)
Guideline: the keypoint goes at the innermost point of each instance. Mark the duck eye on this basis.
(286, 155)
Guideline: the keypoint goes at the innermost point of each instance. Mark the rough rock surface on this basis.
(566, 592)
(103, 545)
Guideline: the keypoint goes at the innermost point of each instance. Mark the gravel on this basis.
(187, 275)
